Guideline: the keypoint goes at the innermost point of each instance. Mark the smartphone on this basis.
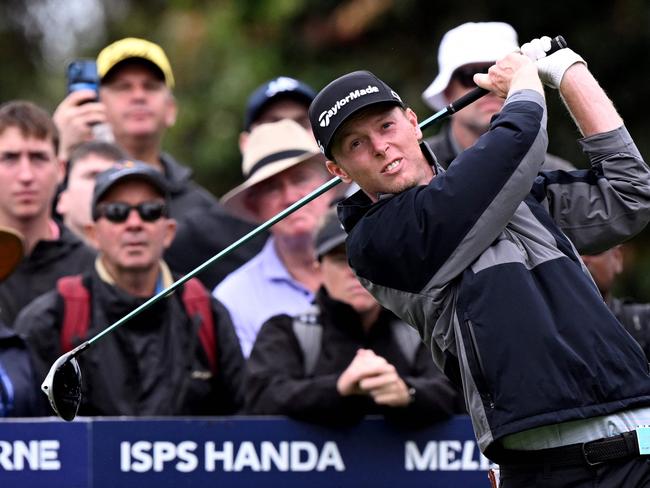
(82, 75)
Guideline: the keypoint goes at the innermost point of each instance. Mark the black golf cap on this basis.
(341, 99)
(124, 170)
(275, 89)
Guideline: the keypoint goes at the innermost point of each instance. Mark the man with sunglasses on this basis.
(464, 51)
(161, 362)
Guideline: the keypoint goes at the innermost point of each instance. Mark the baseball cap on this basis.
(341, 99)
(469, 43)
(280, 87)
(329, 234)
(11, 250)
(122, 171)
(134, 48)
(271, 149)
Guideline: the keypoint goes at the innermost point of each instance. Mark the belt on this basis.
(590, 453)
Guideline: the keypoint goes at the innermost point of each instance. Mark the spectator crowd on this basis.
(91, 227)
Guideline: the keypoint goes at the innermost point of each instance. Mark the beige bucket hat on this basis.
(271, 149)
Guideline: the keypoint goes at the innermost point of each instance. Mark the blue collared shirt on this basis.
(257, 291)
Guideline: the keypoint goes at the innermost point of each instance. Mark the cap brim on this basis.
(11, 251)
(235, 199)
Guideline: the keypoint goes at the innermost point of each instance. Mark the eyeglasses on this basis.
(119, 211)
(465, 74)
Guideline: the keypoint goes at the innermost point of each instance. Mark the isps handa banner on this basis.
(236, 452)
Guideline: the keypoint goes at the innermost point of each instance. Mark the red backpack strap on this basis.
(76, 310)
(197, 301)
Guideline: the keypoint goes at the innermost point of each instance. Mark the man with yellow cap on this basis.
(136, 101)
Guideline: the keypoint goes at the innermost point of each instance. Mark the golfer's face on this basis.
(379, 150)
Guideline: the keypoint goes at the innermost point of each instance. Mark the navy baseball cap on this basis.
(124, 170)
(280, 87)
(341, 99)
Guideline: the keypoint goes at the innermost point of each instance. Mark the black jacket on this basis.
(38, 272)
(19, 388)
(205, 227)
(276, 382)
(184, 192)
(202, 233)
(152, 365)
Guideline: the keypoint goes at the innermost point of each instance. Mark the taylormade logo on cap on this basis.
(325, 117)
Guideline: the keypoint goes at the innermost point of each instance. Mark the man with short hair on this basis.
(86, 161)
(483, 260)
(29, 175)
(170, 359)
(345, 357)
(282, 164)
(465, 50)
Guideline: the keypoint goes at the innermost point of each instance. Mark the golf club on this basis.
(63, 383)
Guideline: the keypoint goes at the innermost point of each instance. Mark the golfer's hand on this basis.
(511, 73)
(366, 363)
(551, 67)
(74, 118)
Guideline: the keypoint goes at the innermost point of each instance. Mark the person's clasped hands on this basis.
(370, 374)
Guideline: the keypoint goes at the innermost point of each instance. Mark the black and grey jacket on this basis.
(481, 262)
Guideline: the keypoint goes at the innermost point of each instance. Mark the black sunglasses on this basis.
(465, 74)
(119, 211)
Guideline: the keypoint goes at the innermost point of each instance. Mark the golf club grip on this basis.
(557, 43)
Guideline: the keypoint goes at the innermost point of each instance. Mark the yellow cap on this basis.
(132, 47)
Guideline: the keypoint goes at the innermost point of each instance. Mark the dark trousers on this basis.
(629, 473)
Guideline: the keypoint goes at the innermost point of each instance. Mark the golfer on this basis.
(483, 260)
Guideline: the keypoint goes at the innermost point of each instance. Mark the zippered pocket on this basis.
(475, 363)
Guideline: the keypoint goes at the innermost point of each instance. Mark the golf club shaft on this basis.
(556, 43)
(243, 240)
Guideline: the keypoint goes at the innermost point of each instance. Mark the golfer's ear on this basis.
(413, 120)
(336, 170)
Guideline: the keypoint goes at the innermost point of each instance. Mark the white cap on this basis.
(469, 43)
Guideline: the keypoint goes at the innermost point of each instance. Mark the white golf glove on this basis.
(550, 68)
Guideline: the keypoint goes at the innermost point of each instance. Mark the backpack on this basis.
(309, 333)
(76, 313)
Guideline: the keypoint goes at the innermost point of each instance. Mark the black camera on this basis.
(82, 75)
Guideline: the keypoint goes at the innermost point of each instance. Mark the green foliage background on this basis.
(223, 49)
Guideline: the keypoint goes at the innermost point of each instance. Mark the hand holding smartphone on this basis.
(82, 75)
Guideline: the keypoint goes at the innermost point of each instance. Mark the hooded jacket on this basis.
(482, 262)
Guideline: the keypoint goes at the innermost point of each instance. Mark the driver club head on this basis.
(62, 386)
